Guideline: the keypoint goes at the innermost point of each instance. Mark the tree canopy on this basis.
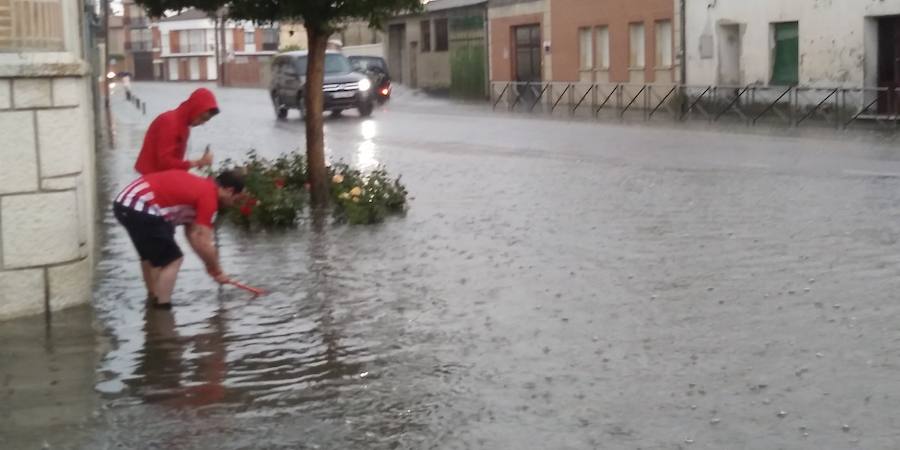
(321, 15)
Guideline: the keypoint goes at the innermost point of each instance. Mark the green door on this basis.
(468, 69)
(786, 66)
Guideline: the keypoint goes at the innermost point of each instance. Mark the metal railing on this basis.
(791, 106)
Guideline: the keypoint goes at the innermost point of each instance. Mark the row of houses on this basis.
(182, 47)
(840, 43)
(462, 46)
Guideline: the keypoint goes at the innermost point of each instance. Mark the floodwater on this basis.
(555, 285)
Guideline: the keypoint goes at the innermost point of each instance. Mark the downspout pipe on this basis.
(683, 6)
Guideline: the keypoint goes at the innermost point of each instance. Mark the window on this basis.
(31, 25)
(636, 52)
(785, 62)
(165, 43)
(270, 39)
(586, 48)
(601, 57)
(426, 35)
(664, 44)
(249, 41)
(441, 39)
(141, 40)
(183, 46)
(173, 69)
(197, 40)
(334, 63)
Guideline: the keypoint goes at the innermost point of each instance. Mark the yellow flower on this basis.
(356, 191)
(355, 199)
(344, 196)
(338, 179)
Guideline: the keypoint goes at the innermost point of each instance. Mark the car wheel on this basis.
(336, 112)
(365, 109)
(280, 110)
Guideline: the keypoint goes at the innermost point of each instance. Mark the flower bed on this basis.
(278, 192)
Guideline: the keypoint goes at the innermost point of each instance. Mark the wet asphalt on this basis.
(555, 285)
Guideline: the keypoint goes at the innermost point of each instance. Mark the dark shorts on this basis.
(153, 236)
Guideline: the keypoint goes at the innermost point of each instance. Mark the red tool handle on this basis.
(254, 291)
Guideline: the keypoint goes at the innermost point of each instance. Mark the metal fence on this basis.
(793, 106)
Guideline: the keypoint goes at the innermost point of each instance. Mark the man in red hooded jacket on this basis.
(165, 143)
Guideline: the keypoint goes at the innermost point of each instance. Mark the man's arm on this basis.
(171, 155)
(201, 239)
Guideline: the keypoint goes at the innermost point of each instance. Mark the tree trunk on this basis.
(313, 99)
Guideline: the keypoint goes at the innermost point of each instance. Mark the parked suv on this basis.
(343, 88)
(376, 68)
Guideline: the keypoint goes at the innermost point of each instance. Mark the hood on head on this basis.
(200, 101)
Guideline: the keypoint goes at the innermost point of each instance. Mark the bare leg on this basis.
(165, 281)
(149, 282)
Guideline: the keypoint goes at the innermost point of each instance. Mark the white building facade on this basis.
(813, 43)
(47, 176)
(188, 45)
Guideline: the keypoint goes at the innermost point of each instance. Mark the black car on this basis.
(343, 88)
(376, 68)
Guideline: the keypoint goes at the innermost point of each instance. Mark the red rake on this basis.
(256, 292)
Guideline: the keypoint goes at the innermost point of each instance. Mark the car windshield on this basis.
(334, 63)
(367, 63)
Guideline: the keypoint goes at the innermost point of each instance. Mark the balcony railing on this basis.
(203, 48)
(139, 46)
(136, 22)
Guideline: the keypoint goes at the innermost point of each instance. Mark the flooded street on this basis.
(555, 285)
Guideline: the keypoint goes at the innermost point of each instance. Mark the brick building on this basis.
(599, 41)
(188, 43)
(141, 43)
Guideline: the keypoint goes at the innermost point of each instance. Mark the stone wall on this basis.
(47, 176)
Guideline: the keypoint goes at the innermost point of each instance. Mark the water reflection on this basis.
(365, 158)
(368, 129)
(163, 375)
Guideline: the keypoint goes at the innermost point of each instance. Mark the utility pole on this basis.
(218, 50)
(106, 53)
(223, 57)
(105, 65)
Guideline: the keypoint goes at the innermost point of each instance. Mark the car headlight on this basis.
(365, 84)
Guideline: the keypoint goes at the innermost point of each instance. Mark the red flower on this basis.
(247, 207)
(279, 183)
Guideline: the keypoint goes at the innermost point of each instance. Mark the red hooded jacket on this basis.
(166, 140)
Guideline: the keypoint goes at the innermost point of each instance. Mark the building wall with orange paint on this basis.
(570, 16)
(502, 21)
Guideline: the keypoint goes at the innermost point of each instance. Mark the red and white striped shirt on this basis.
(176, 195)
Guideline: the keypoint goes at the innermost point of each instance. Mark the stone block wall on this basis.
(46, 192)
(47, 174)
